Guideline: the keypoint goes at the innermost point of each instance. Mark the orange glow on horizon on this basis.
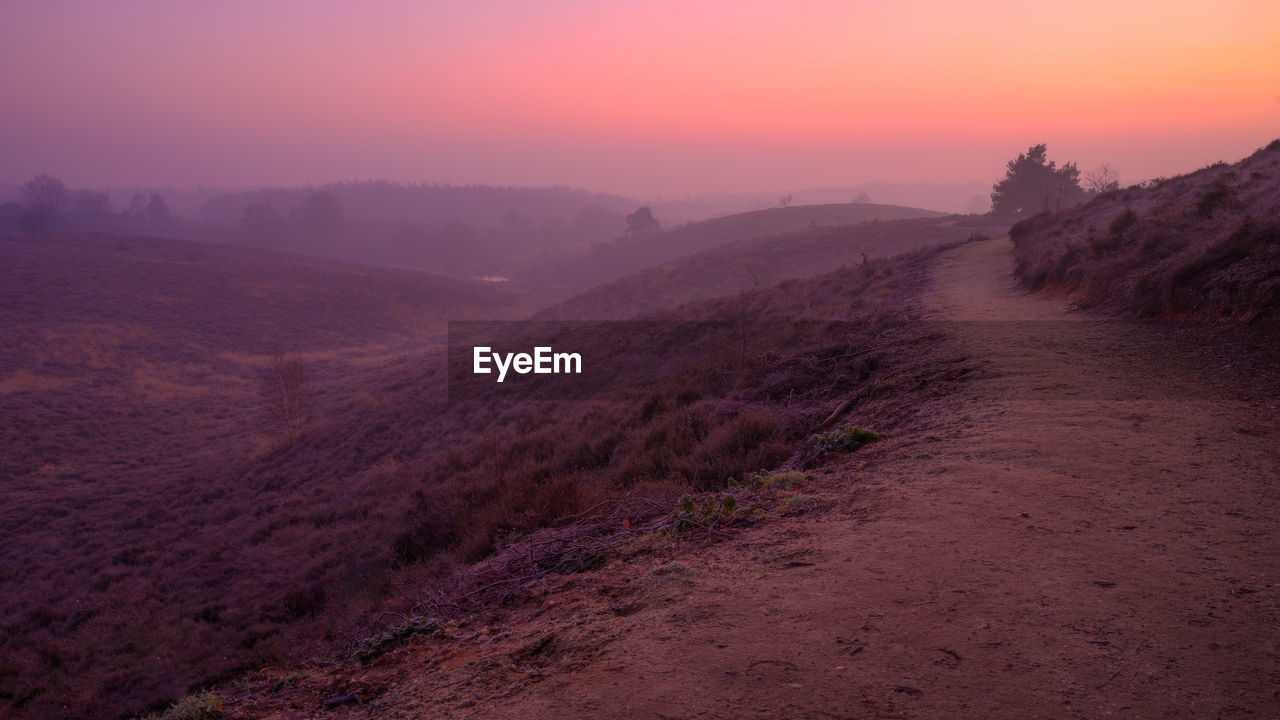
(402, 84)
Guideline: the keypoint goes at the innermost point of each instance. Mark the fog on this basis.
(238, 239)
(647, 101)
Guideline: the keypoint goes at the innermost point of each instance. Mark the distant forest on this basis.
(465, 230)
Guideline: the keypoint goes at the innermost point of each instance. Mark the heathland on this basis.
(943, 474)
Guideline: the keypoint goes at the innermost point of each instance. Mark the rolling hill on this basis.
(160, 534)
(606, 262)
(758, 262)
(138, 469)
(1204, 245)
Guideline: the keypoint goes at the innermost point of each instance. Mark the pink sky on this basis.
(639, 98)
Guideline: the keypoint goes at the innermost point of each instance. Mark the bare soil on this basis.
(1088, 528)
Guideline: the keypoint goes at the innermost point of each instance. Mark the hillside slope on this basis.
(156, 539)
(1049, 538)
(142, 487)
(158, 534)
(625, 256)
(754, 263)
(1203, 245)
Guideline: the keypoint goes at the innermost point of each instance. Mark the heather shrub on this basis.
(1219, 195)
(751, 440)
(1197, 246)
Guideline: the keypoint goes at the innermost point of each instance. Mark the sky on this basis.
(647, 99)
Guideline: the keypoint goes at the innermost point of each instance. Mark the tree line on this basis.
(48, 205)
(471, 230)
(1033, 183)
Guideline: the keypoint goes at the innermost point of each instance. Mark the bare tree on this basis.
(286, 392)
(1103, 178)
(862, 198)
(785, 200)
(47, 199)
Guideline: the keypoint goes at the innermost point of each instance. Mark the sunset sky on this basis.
(639, 98)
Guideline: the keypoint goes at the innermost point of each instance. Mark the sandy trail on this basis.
(1087, 531)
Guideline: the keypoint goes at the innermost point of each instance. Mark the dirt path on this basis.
(1086, 531)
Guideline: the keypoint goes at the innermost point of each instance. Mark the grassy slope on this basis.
(626, 256)
(712, 417)
(136, 469)
(761, 261)
(1203, 245)
(157, 538)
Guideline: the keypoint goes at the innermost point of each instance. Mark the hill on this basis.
(1056, 505)
(137, 461)
(159, 536)
(956, 197)
(607, 262)
(754, 263)
(1205, 245)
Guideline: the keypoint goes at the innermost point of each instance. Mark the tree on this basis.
(862, 198)
(157, 208)
(46, 199)
(137, 206)
(91, 205)
(286, 392)
(261, 224)
(1033, 183)
(1103, 178)
(785, 200)
(321, 213)
(642, 222)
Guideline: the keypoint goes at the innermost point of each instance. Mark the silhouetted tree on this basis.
(862, 198)
(90, 205)
(1103, 178)
(261, 223)
(321, 213)
(137, 206)
(1033, 183)
(785, 200)
(157, 208)
(642, 222)
(46, 198)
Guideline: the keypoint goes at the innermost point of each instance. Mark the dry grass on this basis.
(131, 430)
(156, 538)
(1204, 245)
(606, 262)
(758, 262)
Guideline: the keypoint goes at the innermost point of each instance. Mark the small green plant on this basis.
(378, 645)
(710, 513)
(845, 439)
